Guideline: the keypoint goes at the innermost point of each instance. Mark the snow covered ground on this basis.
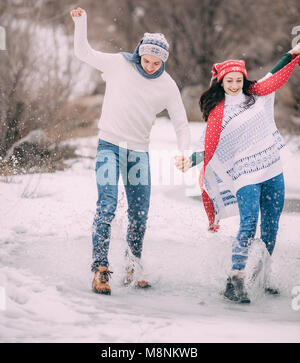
(45, 278)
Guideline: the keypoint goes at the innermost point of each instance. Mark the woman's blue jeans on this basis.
(268, 197)
(135, 170)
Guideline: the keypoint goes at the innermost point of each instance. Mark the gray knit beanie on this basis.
(155, 44)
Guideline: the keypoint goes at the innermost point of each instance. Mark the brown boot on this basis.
(131, 279)
(142, 284)
(100, 282)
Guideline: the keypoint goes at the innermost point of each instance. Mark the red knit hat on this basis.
(219, 70)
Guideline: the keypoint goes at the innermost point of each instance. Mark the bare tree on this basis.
(33, 83)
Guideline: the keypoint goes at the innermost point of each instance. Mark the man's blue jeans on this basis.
(135, 170)
(268, 197)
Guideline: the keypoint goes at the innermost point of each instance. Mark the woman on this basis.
(243, 153)
(137, 89)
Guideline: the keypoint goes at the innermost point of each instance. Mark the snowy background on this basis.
(45, 243)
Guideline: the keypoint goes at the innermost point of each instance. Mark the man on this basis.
(137, 89)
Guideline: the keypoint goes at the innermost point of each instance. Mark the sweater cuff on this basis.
(196, 158)
(286, 59)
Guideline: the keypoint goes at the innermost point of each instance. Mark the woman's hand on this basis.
(182, 163)
(295, 50)
(77, 12)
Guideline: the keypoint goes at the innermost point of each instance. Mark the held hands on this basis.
(295, 50)
(182, 163)
(77, 12)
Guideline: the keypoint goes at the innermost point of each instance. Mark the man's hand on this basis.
(77, 12)
(182, 163)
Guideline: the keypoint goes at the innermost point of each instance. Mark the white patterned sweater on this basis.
(250, 151)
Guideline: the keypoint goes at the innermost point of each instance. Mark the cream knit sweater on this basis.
(131, 101)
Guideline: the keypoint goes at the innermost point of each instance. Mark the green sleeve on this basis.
(283, 62)
(196, 158)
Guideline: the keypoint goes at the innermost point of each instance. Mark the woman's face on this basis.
(233, 83)
(150, 63)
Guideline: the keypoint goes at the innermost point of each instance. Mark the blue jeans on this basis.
(135, 170)
(268, 197)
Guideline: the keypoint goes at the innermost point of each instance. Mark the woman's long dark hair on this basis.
(215, 94)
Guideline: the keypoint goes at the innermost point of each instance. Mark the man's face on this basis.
(150, 63)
